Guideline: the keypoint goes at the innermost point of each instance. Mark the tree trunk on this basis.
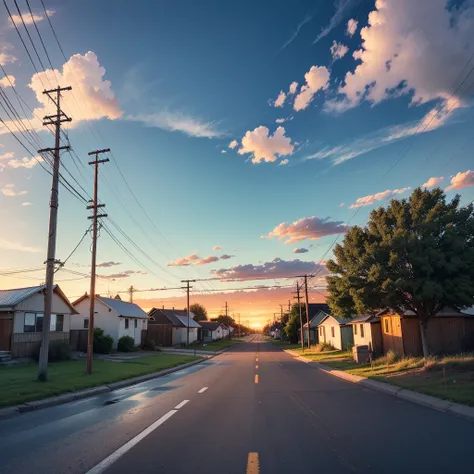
(424, 338)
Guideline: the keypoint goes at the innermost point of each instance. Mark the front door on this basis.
(5, 334)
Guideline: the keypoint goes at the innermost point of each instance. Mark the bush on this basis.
(102, 344)
(126, 344)
(150, 345)
(389, 358)
(58, 350)
(324, 347)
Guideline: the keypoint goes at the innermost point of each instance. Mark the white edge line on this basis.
(181, 405)
(109, 460)
(203, 390)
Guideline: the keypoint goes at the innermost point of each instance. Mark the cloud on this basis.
(233, 144)
(108, 264)
(5, 57)
(266, 147)
(284, 119)
(24, 162)
(343, 8)
(28, 19)
(312, 228)
(217, 247)
(9, 191)
(293, 88)
(300, 250)
(223, 151)
(7, 245)
(276, 268)
(296, 32)
(338, 50)
(192, 260)
(351, 27)
(26, 203)
(7, 81)
(121, 275)
(280, 100)
(412, 48)
(317, 78)
(342, 204)
(432, 182)
(6, 156)
(372, 198)
(284, 162)
(179, 122)
(226, 257)
(462, 180)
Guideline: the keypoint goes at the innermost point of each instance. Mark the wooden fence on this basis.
(28, 343)
(78, 339)
(160, 334)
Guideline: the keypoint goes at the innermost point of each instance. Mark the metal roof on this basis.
(128, 310)
(210, 325)
(192, 323)
(364, 318)
(9, 298)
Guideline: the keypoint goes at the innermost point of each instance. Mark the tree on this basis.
(223, 319)
(417, 254)
(200, 312)
(293, 324)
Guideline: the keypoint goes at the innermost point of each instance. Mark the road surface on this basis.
(253, 409)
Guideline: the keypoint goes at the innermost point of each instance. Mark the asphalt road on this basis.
(218, 417)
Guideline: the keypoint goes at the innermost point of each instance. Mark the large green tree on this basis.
(200, 312)
(417, 254)
(293, 322)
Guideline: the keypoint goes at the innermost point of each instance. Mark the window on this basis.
(386, 326)
(60, 322)
(86, 323)
(361, 330)
(126, 323)
(355, 329)
(332, 331)
(136, 324)
(30, 322)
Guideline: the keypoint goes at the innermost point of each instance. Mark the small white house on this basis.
(335, 331)
(21, 319)
(116, 317)
(212, 331)
(366, 330)
(178, 319)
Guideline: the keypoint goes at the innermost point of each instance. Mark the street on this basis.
(251, 409)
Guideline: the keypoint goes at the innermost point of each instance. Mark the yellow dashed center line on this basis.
(256, 366)
(253, 464)
(256, 378)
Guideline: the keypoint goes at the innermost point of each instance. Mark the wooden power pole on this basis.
(298, 297)
(187, 288)
(55, 120)
(307, 309)
(95, 216)
(131, 290)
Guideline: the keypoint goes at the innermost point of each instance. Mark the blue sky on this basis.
(186, 80)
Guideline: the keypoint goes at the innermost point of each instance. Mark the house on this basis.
(180, 322)
(116, 317)
(335, 331)
(366, 331)
(212, 331)
(21, 319)
(314, 319)
(448, 332)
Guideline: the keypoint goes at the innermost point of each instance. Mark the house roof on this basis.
(444, 313)
(128, 310)
(192, 324)
(364, 318)
(176, 317)
(341, 321)
(10, 298)
(210, 325)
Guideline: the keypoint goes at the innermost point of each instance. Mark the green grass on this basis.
(19, 385)
(283, 344)
(215, 345)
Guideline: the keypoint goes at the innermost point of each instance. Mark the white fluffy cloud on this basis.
(233, 144)
(293, 88)
(26, 203)
(312, 228)
(7, 81)
(284, 162)
(266, 147)
(351, 27)
(195, 260)
(462, 180)
(372, 198)
(8, 245)
(411, 47)
(338, 50)
(5, 57)
(217, 247)
(432, 182)
(24, 162)
(300, 250)
(223, 151)
(317, 79)
(28, 19)
(8, 190)
(280, 100)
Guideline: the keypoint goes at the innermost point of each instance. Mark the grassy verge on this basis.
(215, 345)
(19, 384)
(283, 344)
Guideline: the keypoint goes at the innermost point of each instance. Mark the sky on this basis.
(246, 137)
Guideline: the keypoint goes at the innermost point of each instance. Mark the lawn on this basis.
(283, 344)
(19, 384)
(215, 345)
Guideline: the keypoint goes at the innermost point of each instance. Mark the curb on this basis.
(10, 412)
(463, 411)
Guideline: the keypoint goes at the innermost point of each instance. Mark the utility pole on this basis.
(227, 318)
(55, 120)
(131, 290)
(298, 297)
(95, 216)
(187, 288)
(306, 307)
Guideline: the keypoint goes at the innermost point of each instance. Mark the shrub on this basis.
(58, 350)
(150, 345)
(389, 358)
(102, 344)
(126, 344)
